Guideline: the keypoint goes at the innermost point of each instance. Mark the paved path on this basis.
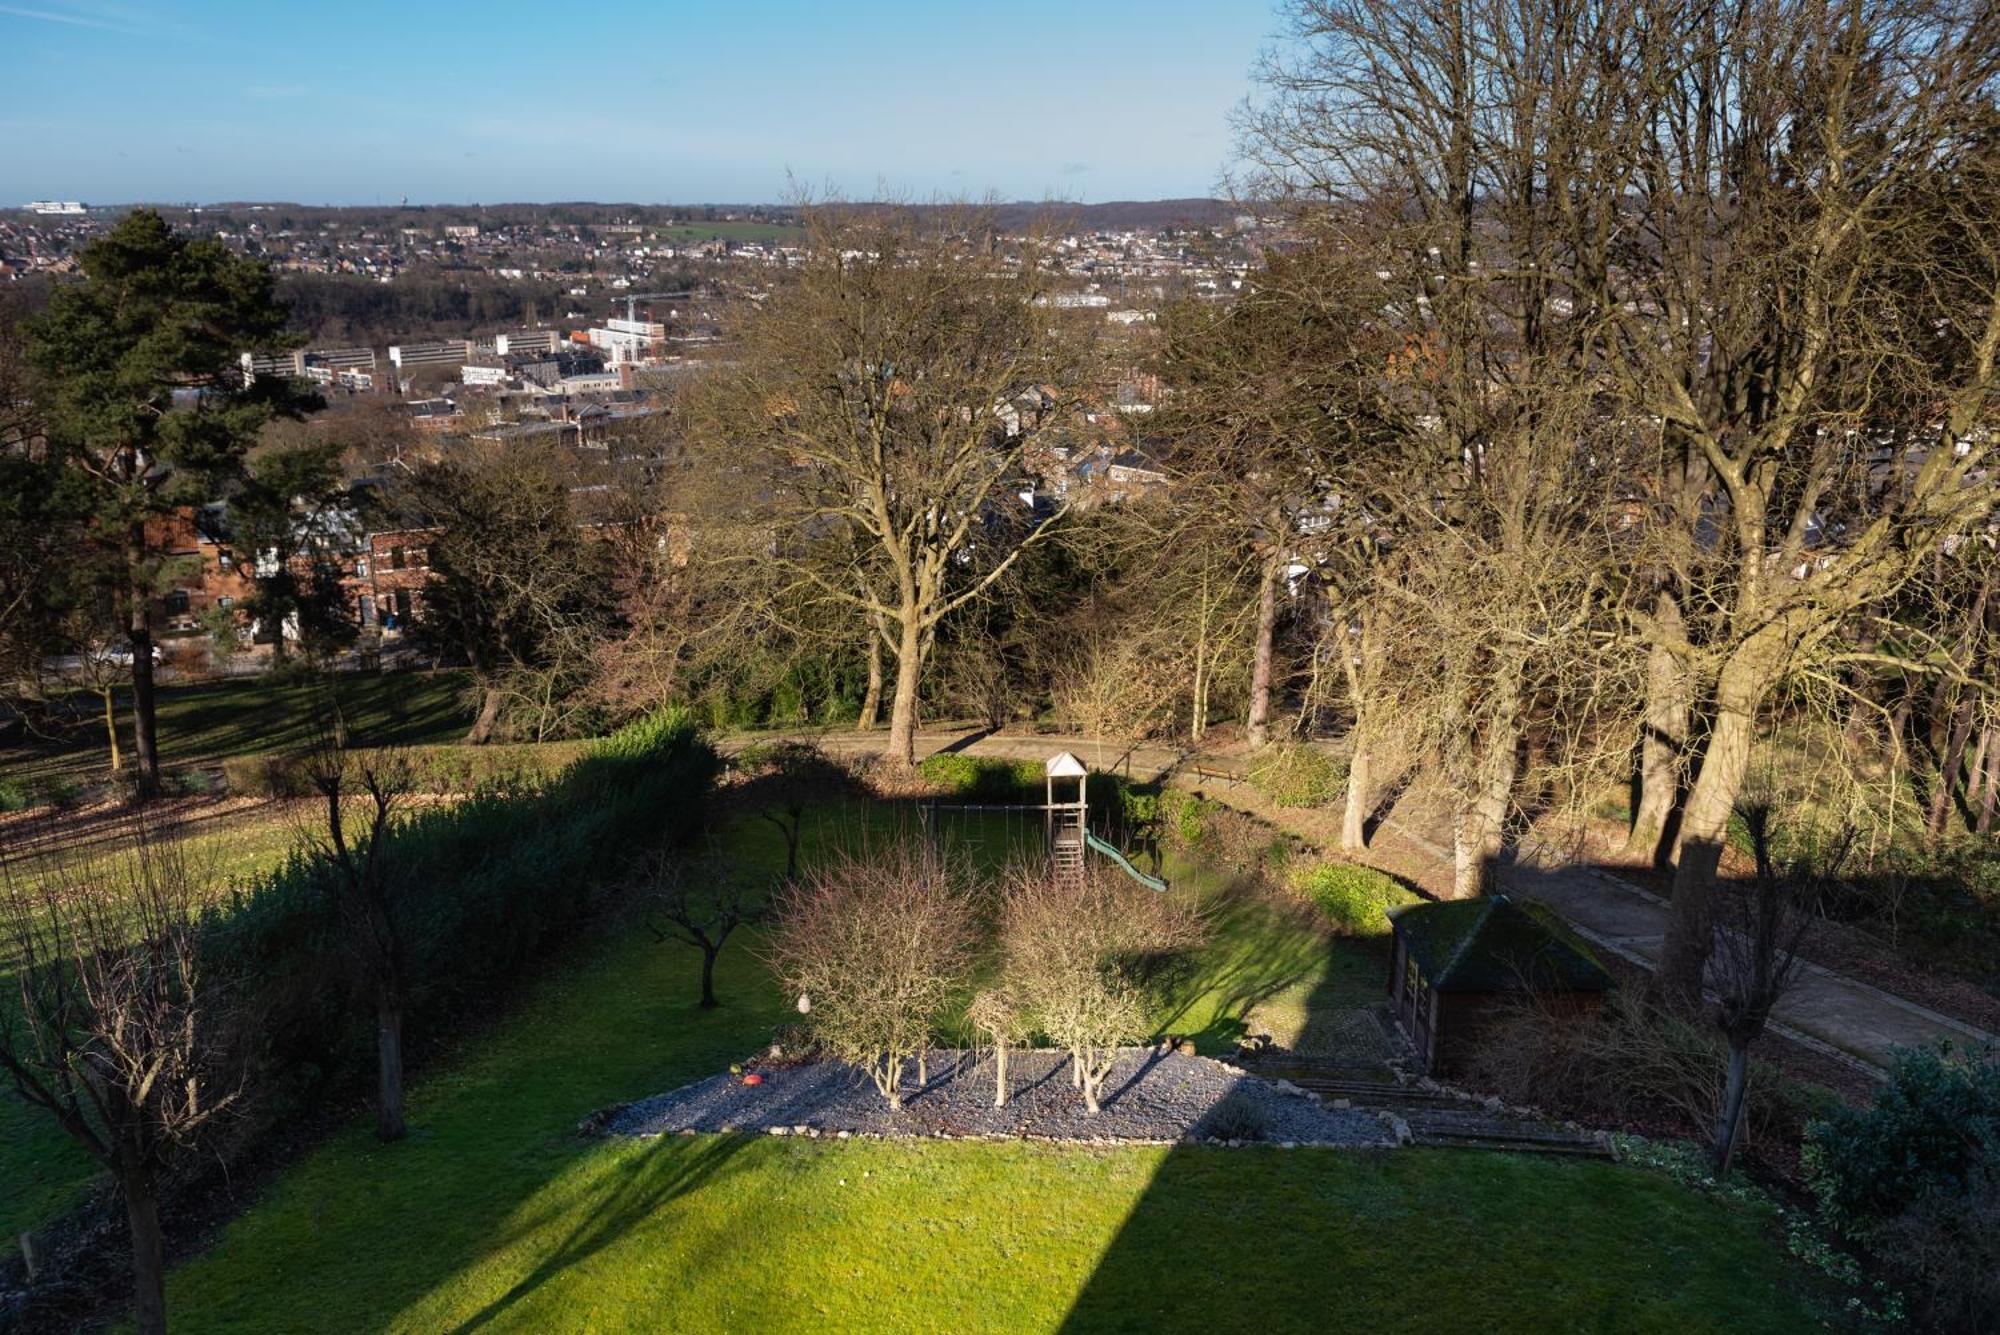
(1854, 1021)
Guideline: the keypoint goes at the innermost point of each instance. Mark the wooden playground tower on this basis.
(1068, 821)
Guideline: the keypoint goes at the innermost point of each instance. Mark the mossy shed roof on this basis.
(1497, 945)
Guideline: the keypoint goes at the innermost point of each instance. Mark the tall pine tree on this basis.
(141, 389)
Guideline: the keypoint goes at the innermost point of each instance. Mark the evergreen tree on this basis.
(142, 392)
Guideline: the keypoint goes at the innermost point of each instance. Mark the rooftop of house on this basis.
(1496, 944)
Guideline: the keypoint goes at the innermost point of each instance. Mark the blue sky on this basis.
(672, 101)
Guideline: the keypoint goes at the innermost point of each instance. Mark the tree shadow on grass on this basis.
(1257, 949)
(666, 1169)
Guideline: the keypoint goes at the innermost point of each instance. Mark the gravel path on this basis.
(1150, 1097)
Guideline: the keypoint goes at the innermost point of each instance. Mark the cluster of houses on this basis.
(382, 574)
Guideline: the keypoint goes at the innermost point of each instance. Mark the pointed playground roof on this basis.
(1063, 765)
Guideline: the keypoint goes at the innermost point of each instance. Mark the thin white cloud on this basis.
(74, 20)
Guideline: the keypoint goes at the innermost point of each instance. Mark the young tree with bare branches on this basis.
(360, 876)
(875, 945)
(115, 1033)
(702, 905)
(1759, 931)
(1073, 953)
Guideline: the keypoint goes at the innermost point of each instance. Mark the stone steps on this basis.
(1437, 1116)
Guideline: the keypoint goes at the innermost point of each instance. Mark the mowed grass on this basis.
(203, 724)
(496, 1213)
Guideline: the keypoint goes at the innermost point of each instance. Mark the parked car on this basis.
(119, 655)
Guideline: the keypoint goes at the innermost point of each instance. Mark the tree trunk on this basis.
(149, 1254)
(1000, 1074)
(389, 1124)
(871, 703)
(1662, 740)
(1735, 1097)
(903, 705)
(708, 1001)
(489, 716)
(1360, 792)
(1990, 796)
(1198, 708)
(1480, 822)
(1704, 830)
(1950, 762)
(145, 746)
(111, 733)
(1259, 729)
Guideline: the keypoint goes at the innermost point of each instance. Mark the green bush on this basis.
(1934, 1120)
(452, 770)
(1184, 817)
(989, 779)
(1356, 900)
(1298, 776)
(15, 795)
(1915, 1178)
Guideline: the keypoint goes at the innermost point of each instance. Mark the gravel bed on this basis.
(1151, 1097)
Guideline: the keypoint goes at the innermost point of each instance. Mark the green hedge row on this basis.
(445, 770)
(485, 889)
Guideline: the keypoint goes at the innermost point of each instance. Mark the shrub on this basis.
(1356, 900)
(1077, 953)
(1184, 817)
(1236, 1116)
(15, 795)
(1934, 1122)
(875, 947)
(1635, 1065)
(1915, 1177)
(441, 770)
(985, 778)
(1298, 776)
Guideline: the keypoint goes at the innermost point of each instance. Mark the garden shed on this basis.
(1457, 966)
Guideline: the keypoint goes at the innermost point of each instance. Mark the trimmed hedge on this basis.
(484, 889)
(1356, 900)
(443, 770)
(986, 778)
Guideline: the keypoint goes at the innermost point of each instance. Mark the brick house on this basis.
(390, 579)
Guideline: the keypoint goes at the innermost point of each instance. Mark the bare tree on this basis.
(701, 905)
(875, 945)
(1759, 931)
(115, 1034)
(359, 875)
(998, 1016)
(785, 781)
(899, 384)
(1073, 952)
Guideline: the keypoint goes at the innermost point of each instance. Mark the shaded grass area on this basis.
(42, 1171)
(204, 723)
(495, 1214)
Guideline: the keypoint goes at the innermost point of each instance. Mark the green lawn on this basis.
(495, 1213)
(205, 723)
(684, 233)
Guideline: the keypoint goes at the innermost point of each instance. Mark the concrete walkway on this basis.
(1853, 1021)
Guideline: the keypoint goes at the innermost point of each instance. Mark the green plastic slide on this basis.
(1150, 882)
